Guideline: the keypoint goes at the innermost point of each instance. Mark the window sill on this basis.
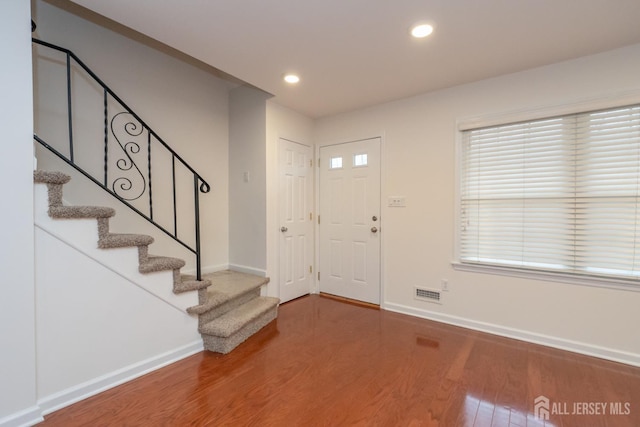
(593, 281)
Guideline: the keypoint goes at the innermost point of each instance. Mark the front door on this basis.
(350, 220)
(296, 219)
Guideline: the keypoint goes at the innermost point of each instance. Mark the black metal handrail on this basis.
(132, 126)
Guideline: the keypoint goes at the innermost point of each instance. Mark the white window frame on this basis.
(613, 101)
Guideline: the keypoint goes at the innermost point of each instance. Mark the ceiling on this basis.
(352, 54)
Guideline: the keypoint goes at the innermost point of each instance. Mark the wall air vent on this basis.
(430, 295)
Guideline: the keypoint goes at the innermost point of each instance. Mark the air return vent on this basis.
(430, 295)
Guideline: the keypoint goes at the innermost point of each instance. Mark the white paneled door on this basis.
(296, 219)
(350, 220)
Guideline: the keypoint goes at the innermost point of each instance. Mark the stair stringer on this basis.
(82, 234)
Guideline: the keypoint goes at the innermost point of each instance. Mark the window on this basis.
(335, 163)
(360, 160)
(559, 194)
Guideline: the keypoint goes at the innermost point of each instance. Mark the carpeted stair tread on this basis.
(231, 322)
(233, 283)
(226, 345)
(189, 283)
(214, 299)
(119, 240)
(160, 263)
(46, 177)
(73, 212)
(225, 286)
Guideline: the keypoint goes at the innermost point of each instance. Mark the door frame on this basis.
(383, 206)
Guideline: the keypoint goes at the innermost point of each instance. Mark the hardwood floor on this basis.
(327, 363)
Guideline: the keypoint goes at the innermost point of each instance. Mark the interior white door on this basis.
(350, 220)
(296, 219)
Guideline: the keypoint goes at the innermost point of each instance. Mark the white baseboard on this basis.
(97, 385)
(248, 270)
(532, 337)
(27, 417)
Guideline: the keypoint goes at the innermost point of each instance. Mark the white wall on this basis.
(185, 102)
(17, 316)
(288, 124)
(247, 180)
(419, 163)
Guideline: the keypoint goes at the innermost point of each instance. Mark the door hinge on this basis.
(318, 161)
(318, 275)
(310, 216)
(318, 219)
(310, 163)
(310, 269)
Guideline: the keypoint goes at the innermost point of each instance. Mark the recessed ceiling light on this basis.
(421, 30)
(291, 78)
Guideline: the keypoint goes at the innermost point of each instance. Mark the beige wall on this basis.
(419, 162)
(247, 180)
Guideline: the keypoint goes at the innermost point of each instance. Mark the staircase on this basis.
(230, 308)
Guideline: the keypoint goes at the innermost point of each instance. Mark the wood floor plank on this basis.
(328, 363)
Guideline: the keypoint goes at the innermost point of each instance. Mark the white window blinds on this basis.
(558, 194)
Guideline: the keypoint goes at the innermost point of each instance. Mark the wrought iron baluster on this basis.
(106, 139)
(149, 169)
(132, 184)
(175, 213)
(197, 214)
(69, 109)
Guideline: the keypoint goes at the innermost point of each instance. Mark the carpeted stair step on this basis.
(46, 177)
(55, 182)
(117, 240)
(228, 290)
(231, 322)
(226, 332)
(187, 282)
(160, 263)
(75, 212)
(152, 263)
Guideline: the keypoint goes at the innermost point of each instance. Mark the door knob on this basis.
(374, 229)
(284, 229)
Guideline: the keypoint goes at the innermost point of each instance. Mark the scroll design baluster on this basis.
(124, 126)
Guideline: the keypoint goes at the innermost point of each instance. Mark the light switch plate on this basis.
(397, 201)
